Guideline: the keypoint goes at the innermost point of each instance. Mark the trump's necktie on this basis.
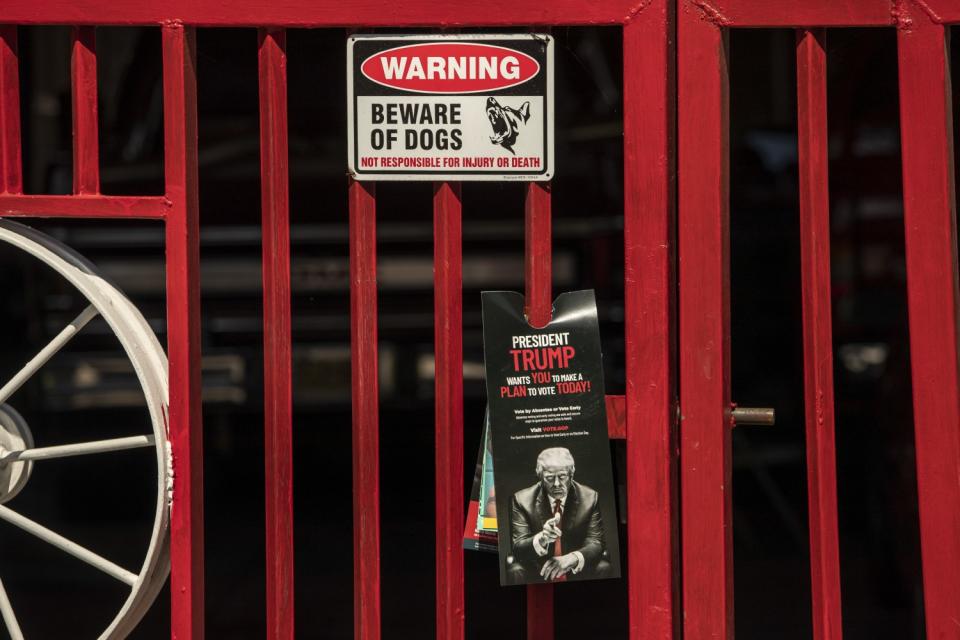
(558, 509)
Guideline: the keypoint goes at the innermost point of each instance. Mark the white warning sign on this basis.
(450, 107)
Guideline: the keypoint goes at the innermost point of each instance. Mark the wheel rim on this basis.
(150, 365)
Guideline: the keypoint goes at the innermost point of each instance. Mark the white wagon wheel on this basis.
(17, 452)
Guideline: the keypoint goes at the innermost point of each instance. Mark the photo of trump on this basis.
(556, 530)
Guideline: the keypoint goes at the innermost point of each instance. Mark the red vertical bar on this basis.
(817, 333)
(83, 63)
(11, 168)
(931, 246)
(448, 384)
(538, 254)
(649, 217)
(366, 440)
(538, 270)
(703, 155)
(183, 329)
(277, 342)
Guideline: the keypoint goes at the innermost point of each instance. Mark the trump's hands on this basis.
(551, 531)
(543, 541)
(559, 566)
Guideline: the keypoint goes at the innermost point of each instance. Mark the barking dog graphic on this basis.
(506, 122)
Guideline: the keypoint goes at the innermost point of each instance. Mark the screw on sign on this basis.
(450, 107)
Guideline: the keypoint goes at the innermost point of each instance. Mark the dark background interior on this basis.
(106, 502)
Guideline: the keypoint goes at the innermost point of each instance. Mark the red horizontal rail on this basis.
(824, 13)
(86, 168)
(808, 13)
(704, 310)
(277, 345)
(940, 11)
(462, 13)
(86, 206)
(11, 169)
(320, 13)
(649, 405)
(183, 331)
(817, 333)
(366, 421)
(926, 125)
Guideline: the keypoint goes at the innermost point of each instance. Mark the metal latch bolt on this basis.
(752, 415)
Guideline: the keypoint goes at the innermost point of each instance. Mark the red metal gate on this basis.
(648, 209)
(674, 62)
(703, 239)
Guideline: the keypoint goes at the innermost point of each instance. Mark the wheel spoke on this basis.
(9, 619)
(67, 546)
(47, 352)
(78, 449)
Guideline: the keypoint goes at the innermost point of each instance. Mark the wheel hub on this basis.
(15, 435)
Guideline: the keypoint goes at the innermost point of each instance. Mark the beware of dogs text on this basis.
(477, 107)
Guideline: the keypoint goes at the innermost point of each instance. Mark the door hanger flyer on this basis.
(556, 514)
(450, 107)
(480, 530)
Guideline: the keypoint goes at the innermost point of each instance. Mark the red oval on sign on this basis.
(450, 67)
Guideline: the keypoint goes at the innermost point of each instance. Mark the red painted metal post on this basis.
(11, 168)
(83, 63)
(931, 248)
(539, 308)
(366, 424)
(705, 422)
(448, 386)
(183, 330)
(538, 254)
(649, 216)
(277, 341)
(817, 333)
